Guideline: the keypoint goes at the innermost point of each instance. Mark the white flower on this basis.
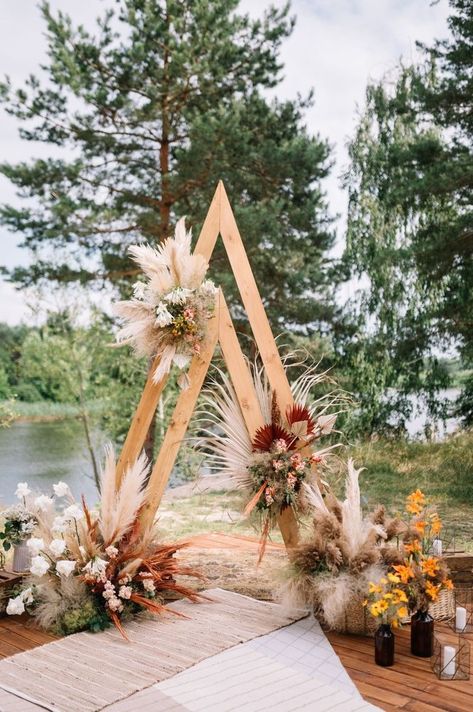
(96, 566)
(111, 551)
(139, 290)
(61, 489)
(15, 606)
(59, 525)
(22, 490)
(125, 591)
(115, 604)
(27, 595)
(73, 512)
(43, 502)
(57, 547)
(39, 566)
(163, 316)
(177, 296)
(64, 567)
(148, 585)
(208, 287)
(35, 545)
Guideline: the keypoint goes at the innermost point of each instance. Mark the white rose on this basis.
(95, 566)
(42, 502)
(15, 606)
(61, 489)
(73, 512)
(64, 567)
(57, 547)
(22, 490)
(39, 566)
(35, 545)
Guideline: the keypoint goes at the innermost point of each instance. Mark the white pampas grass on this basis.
(118, 509)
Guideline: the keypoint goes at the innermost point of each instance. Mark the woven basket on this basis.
(357, 621)
(444, 606)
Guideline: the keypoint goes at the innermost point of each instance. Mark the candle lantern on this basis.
(461, 621)
(451, 657)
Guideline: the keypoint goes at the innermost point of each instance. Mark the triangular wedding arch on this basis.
(219, 221)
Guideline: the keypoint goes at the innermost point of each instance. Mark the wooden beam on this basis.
(141, 421)
(180, 420)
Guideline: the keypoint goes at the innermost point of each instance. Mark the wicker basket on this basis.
(444, 606)
(356, 619)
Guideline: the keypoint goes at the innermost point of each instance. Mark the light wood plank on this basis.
(180, 420)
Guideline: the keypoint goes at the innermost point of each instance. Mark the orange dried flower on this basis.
(405, 573)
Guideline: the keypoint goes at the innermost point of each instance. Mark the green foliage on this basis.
(410, 227)
(89, 616)
(165, 98)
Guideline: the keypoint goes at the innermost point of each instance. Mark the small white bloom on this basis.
(64, 567)
(27, 595)
(43, 502)
(139, 290)
(61, 489)
(96, 566)
(73, 512)
(125, 591)
(35, 544)
(39, 566)
(15, 606)
(57, 547)
(208, 287)
(22, 490)
(177, 295)
(111, 551)
(115, 604)
(59, 525)
(163, 316)
(148, 585)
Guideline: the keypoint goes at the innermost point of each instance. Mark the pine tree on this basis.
(143, 117)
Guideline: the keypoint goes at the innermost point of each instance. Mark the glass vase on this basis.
(422, 634)
(384, 645)
(21, 558)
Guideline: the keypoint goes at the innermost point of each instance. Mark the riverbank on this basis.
(42, 411)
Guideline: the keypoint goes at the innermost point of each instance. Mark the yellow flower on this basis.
(395, 623)
(374, 588)
(383, 605)
(388, 596)
(402, 612)
(401, 596)
(374, 610)
(405, 572)
(431, 590)
(430, 566)
(393, 578)
(383, 581)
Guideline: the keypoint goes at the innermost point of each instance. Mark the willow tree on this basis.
(410, 228)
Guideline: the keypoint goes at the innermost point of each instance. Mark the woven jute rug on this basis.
(86, 672)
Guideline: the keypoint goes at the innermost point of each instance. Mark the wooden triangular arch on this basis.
(219, 220)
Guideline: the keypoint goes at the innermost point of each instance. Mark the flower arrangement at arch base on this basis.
(92, 569)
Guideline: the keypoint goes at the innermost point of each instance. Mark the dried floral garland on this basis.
(168, 313)
(91, 569)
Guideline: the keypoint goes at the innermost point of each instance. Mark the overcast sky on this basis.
(336, 47)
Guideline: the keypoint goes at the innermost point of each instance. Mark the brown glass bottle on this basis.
(422, 634)
(384, 646)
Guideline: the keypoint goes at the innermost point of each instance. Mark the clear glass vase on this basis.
(21, 558)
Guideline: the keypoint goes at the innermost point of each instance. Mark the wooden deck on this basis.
(409, 685)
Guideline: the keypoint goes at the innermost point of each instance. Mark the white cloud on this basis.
(336, 46)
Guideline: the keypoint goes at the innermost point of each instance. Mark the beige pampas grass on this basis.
(119, 509)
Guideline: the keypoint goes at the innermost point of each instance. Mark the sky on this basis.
(336, 47)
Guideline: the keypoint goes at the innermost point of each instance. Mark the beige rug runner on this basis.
(87, 671)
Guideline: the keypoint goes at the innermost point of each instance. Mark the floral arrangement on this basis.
(277, 466)
(422, 575)
(168, 313)
(19, 519)
(331, 570)
(91, 569)
(386, 601)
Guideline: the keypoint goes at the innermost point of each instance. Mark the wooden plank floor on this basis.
(409, 685)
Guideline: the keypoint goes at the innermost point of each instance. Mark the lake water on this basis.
(42, 453)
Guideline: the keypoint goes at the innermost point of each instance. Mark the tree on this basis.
(410, 226)
(166, 98)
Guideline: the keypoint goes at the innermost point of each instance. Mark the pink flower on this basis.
(280, 445)
(291, 481)
(315, 459)
(277, 465)
(269, 495)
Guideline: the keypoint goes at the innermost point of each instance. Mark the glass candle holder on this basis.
(451, 657)
(462, 619)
